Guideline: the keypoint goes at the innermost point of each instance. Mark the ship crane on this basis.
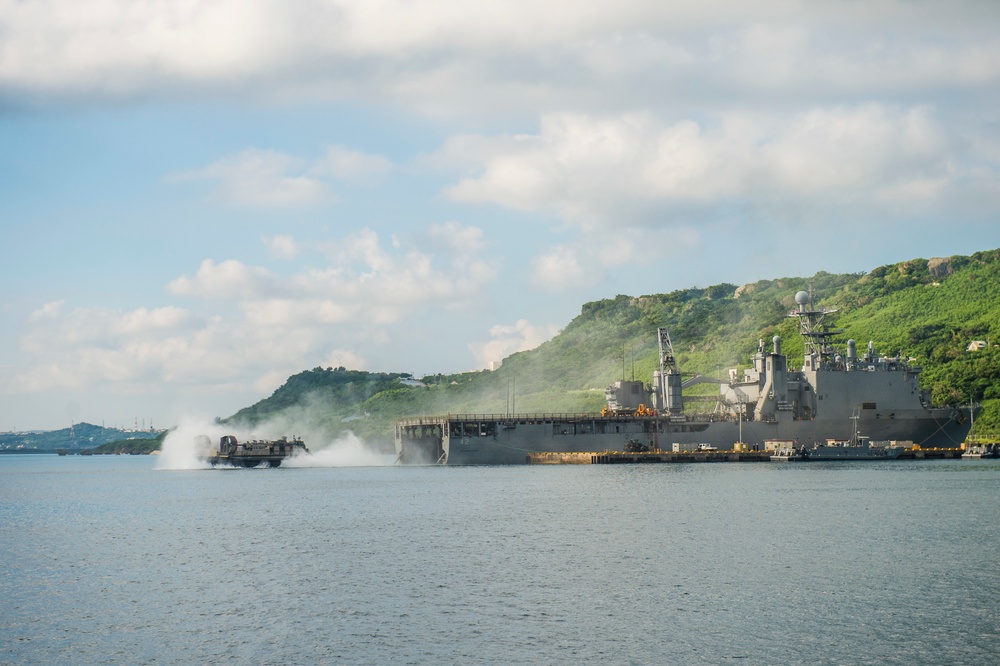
(668, 378)
(667, 381)
(668, 362)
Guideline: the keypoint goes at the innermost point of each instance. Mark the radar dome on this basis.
(801, 297)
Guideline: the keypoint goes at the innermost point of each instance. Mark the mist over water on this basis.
(347, 451)
(180, 452)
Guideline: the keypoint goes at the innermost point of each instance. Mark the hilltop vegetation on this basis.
(929, 310)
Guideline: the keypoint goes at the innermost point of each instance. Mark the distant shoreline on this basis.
(73, 453)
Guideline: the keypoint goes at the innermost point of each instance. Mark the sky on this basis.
(199, 199)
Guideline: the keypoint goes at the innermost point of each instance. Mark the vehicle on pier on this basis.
(982, 451)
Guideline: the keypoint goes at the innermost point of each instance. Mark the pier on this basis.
(645, 457)
(921, 454)
(660, 457)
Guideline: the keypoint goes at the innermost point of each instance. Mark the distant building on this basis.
(494, 365)
(977, 345)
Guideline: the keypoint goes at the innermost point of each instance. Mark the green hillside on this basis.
(330, 400)
(81, 436)
(129, 446)
(928, 310)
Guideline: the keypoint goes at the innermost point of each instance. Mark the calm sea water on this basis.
(106, 560)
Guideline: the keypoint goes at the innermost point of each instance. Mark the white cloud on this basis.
(106, 345)
(634, 187)
(282, 246)
(585, 168)
(328, 313)
(365, 280)
(48, 311)
(94, 325)
(271, 179)
(271, 381)
(352, 166)
(560, 269)
(143, 320)
(282, 312)
(457, 238)
(344, 358)
(96, 347)
(624, 171)
(257, 178)
(227, 279)
(386, 281)
(456, 58)
(508, 339)
(855, 149)
(595, 254)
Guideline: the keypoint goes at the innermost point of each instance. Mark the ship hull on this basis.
(500, 440)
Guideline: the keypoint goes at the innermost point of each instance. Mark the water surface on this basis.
(106, 560)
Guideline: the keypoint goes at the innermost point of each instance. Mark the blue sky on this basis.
(198, 199)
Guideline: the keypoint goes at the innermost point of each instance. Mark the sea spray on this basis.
(347, 451)
(181, 449)
(187, 445)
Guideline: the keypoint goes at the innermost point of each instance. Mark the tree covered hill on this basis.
(929, 310)
(81, 436)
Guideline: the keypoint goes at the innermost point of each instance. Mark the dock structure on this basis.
(657, 457)
(560, 458)
(922, 454)
(645, 457)
(625, 458)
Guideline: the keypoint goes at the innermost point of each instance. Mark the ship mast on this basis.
(817, 335)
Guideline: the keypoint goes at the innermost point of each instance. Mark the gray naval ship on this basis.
(770, 407)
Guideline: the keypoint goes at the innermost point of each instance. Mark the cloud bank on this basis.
(454, 58)
(591, 171)
(245, 320)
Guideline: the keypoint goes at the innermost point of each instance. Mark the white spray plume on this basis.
(180, 450)
(347, 451)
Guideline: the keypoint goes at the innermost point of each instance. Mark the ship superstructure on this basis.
(805, 408)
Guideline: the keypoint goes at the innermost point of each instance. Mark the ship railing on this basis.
(983, 437)
(543, 417)
(520, 418)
